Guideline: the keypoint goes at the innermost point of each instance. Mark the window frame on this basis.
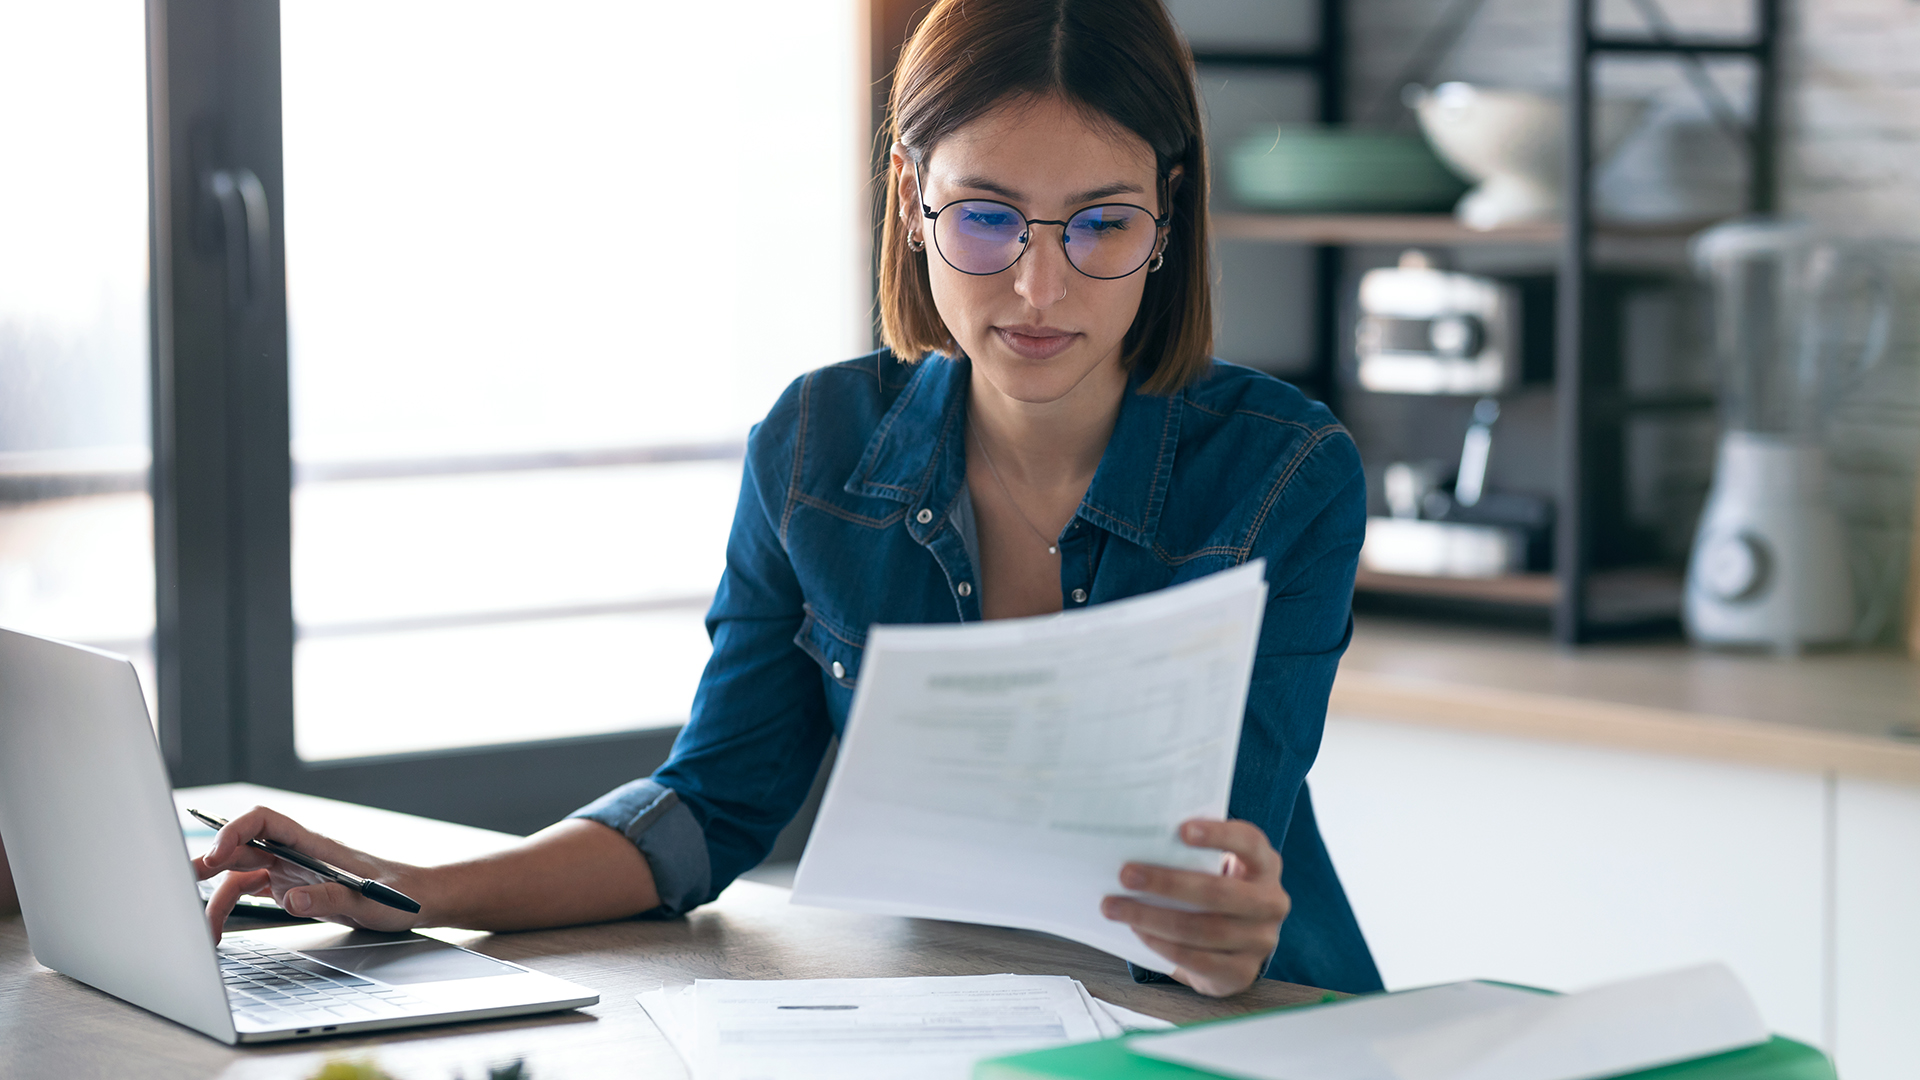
(223, 472)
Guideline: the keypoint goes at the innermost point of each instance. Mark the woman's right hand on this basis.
(298, 890)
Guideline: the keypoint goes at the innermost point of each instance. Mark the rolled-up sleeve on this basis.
(759, 729)
(652, 816)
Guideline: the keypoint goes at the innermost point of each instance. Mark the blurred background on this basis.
(377, 376)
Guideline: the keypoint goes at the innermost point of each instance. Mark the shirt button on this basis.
(1079, 596)
(923, 516)
(965, 588)
(839, 670)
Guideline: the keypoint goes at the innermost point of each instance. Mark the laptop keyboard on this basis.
(276, 987)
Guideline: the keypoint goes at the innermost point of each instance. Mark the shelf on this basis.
(1686, 47)
(1663, 241)
(1375, 229)
(1526, 590)
(1615, 597)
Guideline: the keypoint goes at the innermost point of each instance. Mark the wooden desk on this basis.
(52, 1026)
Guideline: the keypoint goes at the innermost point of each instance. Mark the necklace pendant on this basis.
(1053, 550)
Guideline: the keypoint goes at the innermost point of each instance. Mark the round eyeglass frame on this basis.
(932, 216)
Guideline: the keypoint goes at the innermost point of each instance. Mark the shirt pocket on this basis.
(836, 649)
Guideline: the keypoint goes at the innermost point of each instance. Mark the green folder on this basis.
(1109, 1059)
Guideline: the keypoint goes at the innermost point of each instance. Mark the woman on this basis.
(1044, 431)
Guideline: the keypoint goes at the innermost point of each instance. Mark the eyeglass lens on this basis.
(979, 236)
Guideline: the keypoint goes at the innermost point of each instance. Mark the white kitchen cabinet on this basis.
(1877, 930)
(1471, 855)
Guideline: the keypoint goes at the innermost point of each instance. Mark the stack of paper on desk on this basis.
(852, 1029)
(1002, 772)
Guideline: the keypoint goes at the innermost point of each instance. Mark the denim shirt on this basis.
(852, 513)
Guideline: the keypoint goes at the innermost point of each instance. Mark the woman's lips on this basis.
(1036, 343)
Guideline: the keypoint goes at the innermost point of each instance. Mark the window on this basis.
(76, 533)
(543, 272)
(471, 306)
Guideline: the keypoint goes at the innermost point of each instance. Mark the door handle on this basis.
(246, 233)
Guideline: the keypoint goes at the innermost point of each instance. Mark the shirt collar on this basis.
(917, 454)
(1130, 486)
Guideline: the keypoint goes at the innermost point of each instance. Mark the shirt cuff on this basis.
(652, 816)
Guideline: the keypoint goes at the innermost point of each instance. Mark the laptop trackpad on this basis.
(416, 961)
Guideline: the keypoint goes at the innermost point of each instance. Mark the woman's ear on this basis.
(906, 187)
(1174, 176)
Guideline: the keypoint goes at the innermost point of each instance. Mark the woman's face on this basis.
(1040, 329)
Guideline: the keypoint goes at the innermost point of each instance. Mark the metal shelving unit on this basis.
(1339, 229)
(1589, 436)
(1586, 600)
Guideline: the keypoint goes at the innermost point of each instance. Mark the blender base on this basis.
(1769, 563)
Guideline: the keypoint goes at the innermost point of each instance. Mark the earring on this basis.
(1159, 260)
(914, 243)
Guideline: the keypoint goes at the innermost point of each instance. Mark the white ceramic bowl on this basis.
(1514, 143)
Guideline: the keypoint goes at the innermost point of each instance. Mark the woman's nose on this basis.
(1041, 276)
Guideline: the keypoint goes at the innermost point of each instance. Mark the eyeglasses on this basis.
(983, 236)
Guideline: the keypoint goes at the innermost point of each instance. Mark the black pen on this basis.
(367, 887)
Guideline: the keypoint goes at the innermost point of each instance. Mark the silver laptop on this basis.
(84, 803)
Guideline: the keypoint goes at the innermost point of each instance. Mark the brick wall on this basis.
(1853, 142)
(1852, 163)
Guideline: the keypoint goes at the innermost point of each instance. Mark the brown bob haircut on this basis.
(1118, 59)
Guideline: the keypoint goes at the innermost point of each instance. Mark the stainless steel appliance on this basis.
(1438, 333)
(1424, 330)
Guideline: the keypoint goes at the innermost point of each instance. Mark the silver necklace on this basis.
(1052, 548)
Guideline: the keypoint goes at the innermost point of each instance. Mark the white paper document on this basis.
(1605, 1031)
(1002, 772)
(853, 1029)
(1481, 1031)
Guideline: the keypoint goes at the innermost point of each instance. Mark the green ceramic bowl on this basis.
(1307, 169)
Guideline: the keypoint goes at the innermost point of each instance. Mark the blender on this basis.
(1794, 313)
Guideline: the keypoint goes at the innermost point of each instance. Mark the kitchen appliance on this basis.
(1467, 532)
(1514, 143)
(1440, 333)
(1769, 561)
(1428, 331)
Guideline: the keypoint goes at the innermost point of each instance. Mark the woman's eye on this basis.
(987, 220)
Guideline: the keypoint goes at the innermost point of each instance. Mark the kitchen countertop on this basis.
(1855, 712)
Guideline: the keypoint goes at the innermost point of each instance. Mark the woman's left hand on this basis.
(1223, 947)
